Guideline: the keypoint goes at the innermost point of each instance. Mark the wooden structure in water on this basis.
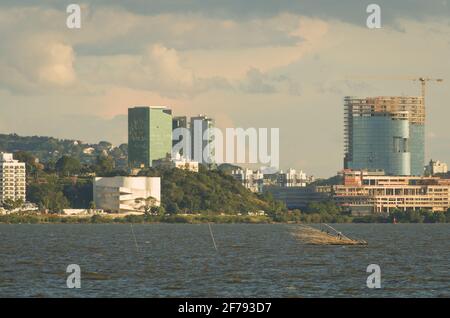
(313, 236)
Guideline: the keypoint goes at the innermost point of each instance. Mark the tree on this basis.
(440, 217)
(104, 145)
(67, 165)
(92, 206)
(104, 165)
(157, 210)
(47, 196)
(172, 207)
(147, 203)
(10, 204)
(124, 148)
(415, 216)
(31, 162)
(50, 166)
(328, 207)
(79, 194)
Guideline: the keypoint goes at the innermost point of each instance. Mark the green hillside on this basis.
(208, 191)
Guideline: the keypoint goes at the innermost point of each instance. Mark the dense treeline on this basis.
(338, 179)
(329, 212)
(409, 216)
(316, 212)
(147, 218)
(49, 149)
(66, 183)
(295, 216)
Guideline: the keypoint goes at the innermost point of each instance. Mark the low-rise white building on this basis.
(292, 178)
(12, 178)
(252, 180)
(185, 164)
(435, 167)
(89, 150)
(72, 212)
(178, 162)
(126, 194)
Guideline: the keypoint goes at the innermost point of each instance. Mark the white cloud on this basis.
(173, 54)
(32, 64)
(162, 65)
(58, 67)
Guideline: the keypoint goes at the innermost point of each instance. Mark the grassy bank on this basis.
(190, 219)
(290, 217)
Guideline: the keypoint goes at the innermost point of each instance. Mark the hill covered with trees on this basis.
(67, 183)
(49, 149)
(208, 191)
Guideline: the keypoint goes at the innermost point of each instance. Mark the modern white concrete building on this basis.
(12, 178)
(126, 194)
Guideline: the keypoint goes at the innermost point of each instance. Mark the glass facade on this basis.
(385, 133)
(381, 143)
(417, 148)
(149, 135)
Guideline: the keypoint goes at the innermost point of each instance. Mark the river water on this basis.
(180, 260)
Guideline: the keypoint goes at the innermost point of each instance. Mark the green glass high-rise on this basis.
(149, 135)
(385, 133)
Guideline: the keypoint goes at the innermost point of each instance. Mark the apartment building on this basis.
(292, 178)
(12, 178)
(252, 180)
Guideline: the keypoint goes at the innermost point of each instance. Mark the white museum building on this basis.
(126, 194)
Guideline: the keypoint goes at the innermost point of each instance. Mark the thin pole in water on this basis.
(134, 236)
(212, 236)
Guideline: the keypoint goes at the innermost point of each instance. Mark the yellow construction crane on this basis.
(423, 80)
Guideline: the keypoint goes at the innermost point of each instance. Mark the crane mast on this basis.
(423, 81)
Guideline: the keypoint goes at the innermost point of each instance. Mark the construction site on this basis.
(386, 132)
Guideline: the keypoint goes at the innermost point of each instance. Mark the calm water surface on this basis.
(179, 260)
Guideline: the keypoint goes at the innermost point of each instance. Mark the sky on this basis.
(255, 63)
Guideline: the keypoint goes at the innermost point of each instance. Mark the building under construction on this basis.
(385, 133)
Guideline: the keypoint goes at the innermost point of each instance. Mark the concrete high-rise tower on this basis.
(385, 133)
(202, 137)
(177, 123)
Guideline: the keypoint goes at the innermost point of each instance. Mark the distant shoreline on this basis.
(120, 219)
(186, 219)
